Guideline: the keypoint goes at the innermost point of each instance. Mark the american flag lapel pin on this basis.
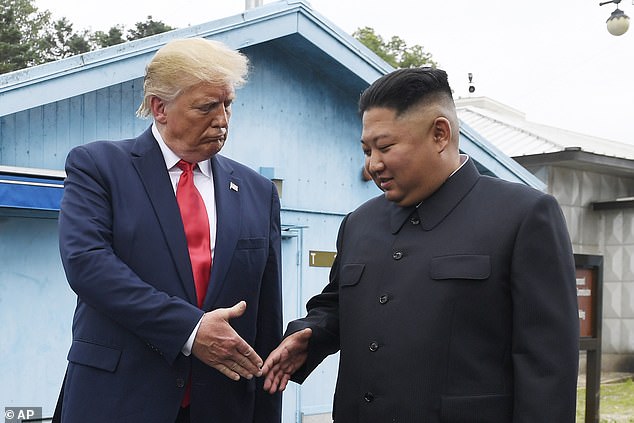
(233, 187)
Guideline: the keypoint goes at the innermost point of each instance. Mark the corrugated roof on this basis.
(509, 130)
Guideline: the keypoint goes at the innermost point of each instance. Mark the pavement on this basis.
(606, 377)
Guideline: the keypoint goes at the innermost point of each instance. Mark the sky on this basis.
(552, 60)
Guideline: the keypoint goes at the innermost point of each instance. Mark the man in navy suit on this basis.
(452, 297)
(144, 347)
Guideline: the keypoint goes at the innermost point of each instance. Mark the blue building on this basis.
(295, 122)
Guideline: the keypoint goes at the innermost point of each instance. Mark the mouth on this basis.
(384, 183)
(221, 136)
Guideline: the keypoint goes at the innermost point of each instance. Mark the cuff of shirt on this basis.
(187, 348)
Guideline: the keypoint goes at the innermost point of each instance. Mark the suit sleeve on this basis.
(100, 279)
(545, 339)
(322, 318)
(269, 320)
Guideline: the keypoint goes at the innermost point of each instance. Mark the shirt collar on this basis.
(171, 158)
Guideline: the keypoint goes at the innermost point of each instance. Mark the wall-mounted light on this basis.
(471, 86)
(618, 22)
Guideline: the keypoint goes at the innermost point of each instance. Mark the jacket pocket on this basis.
(251, 243)
(350, 274)
(477, 409)
(463, 266)
(94, 355)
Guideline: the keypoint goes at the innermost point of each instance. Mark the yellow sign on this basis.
(321, 258)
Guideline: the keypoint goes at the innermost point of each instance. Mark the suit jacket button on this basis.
(374, 346)
(180, 382)
(383, 299)
(397, 255)
(368, 397)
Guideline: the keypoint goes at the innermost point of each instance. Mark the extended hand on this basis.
(289, 356)
(218, 345)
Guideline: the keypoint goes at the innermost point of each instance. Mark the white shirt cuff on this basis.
(187, 348)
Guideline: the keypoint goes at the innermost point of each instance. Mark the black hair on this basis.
(404, 88)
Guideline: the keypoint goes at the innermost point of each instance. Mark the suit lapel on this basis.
(150, 165)
(229, 215)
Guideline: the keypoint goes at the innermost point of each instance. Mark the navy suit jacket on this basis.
(462, 310)
(124, 251)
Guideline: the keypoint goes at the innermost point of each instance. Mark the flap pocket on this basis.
(351, 274)
(251, 243)
(462, 266)
(94, 355)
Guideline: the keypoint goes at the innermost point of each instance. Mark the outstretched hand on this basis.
(289, 356)
(218, 345)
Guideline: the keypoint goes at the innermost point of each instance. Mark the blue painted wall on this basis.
(36, 307)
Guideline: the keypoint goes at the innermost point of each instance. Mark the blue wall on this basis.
(36, 307)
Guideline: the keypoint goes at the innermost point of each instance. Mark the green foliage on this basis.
(22, 28)
(395, 51)
(61, 41)
(113, 37)
(29, 37)
(147, 28)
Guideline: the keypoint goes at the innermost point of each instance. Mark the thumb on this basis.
(237, 310)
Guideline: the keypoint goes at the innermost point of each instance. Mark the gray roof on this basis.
(509, 131)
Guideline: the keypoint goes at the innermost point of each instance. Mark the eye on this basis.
(208, 107)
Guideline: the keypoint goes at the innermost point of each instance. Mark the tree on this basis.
(113, 37)
(147, 28)
(29, 37)
(395, 51)
(61, 41)
(22, 28)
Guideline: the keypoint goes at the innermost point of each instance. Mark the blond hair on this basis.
(181, 64)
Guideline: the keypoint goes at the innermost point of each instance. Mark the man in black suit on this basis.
(452, 296)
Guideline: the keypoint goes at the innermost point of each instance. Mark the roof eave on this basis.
(579, 159)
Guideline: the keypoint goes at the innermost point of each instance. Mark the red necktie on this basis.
(196, 222)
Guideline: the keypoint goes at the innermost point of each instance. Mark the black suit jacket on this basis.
(124, 250)
(463, 310)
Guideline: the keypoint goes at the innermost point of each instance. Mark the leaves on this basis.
(395, 51)
(29, 37)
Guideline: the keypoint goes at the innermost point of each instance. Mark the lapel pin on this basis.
(233, 186)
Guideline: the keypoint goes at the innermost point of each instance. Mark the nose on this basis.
(221, 118)
(374, 163)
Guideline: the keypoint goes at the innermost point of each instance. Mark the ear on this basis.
(158, 106)
(442, 133)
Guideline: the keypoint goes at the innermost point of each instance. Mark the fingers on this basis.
(289, 356)
(218, 345)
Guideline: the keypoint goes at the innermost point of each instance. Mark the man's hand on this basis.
(289, 356)
(219, 346)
